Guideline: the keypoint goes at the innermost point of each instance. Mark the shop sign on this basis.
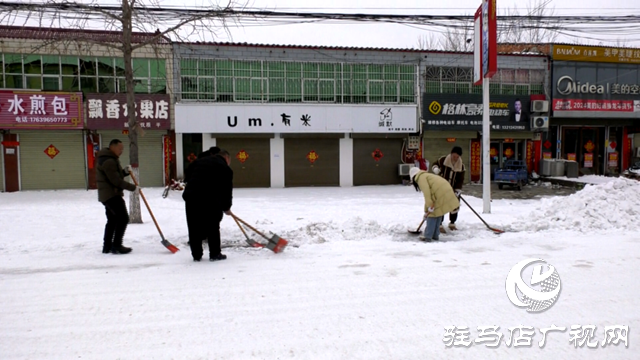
(613, 160)
(596, 54)
(451, 140)
(40, 110)
(294, 118)
(109, 111)
(546, 155)
(588, 160)
(464, 112)
(475, 159)
(377, 155)
(571, 156)
(312, 156)
(618, 106)
(51, 151)
(242, 156)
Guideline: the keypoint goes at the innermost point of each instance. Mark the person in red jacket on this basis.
(451, 168)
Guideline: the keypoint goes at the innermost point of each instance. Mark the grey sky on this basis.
(391, 35)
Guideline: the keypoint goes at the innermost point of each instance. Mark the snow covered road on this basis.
(351, 285)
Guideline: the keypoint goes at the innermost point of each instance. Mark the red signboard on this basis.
(571, 156)
(51, 151)
(40, 110)
(475, 159)
(530, 160)
(489, 38)
(109, 111)
(593, 105)
(166, 157)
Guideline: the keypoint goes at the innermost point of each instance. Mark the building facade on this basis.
(452, 108)
(595, 107)
(61, 100)
(298, 116)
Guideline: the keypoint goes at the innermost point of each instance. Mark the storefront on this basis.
(107, 120)
(456, 120)
(43, 142)
(595, 92)
(301, 145)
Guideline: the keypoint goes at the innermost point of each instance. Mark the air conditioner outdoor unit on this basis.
(540, 123)
(540, 106)
(403, 169)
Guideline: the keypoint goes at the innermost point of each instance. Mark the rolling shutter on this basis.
(256, 169)
(300, 171)
(149, 154)
(66, 170)
(384, 171)
(1, 165)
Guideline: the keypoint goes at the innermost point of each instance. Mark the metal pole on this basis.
(486, 164)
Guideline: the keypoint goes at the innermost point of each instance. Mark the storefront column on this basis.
(179, 160)
(346, 161)
(208, 141)
(276, 145)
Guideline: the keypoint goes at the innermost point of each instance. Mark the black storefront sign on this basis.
(463, 112)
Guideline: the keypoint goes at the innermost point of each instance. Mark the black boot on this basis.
(119, 249)
(218, 257)
(106, 247)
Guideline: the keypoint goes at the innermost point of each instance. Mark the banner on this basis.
(613, 160)
(475, 158)
(166, 158)
(530, 156)
(109, 111)
(596, 54)
(40, 110)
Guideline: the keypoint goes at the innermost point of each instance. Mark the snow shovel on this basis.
(250, 241)
(497, 231)
(275, 244)
(164, 241)
(417, 231)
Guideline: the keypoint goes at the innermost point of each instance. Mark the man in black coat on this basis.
(207, 196)
(110, 178)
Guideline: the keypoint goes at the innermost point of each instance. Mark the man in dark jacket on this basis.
(207, 196)
(452, 169)
(110, 178)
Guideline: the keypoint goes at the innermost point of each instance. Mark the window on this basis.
(294, 82)
(455, 80)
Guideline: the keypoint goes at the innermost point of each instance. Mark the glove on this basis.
(458, 192)
(435, 169)
(429, 211)
(128, 169)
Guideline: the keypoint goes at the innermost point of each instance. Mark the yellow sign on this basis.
(596, 54)
(312, 156)
(242, 156)
(51, 151)
(435, 107)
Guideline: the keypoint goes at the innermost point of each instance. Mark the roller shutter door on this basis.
(40, 172)
(1, 165)
(149, 154)
(299, 171)
(256, 170)
(368, 171)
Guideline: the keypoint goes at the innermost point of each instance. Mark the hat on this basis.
(457, 150)
(413, 172)
(214, 150)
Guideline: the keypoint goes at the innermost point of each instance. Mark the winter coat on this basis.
(437, 194)
(453, 173)
(110, 176)
(209, 181)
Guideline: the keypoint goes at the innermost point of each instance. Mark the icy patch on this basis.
(611, 205)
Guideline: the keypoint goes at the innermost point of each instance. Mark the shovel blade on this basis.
(170, 246)
(414, 232)
(277, 244)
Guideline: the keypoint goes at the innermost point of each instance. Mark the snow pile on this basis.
(611, 205)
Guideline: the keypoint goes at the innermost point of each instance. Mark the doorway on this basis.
(584, 143)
